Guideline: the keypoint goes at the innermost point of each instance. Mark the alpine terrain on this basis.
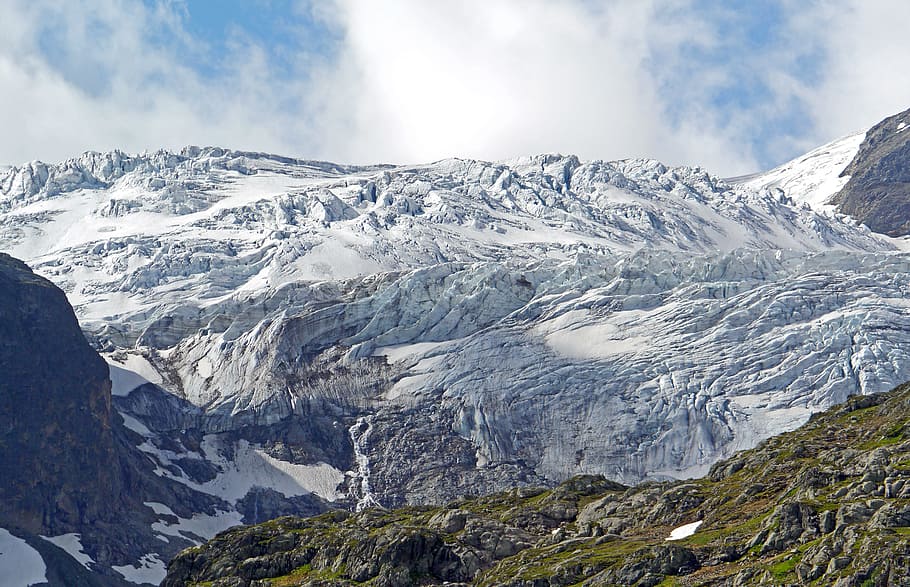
(828, 504)
(294, 337)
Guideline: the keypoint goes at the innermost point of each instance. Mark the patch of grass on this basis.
(748, 528)
(883, 441)
(307, 572)
(545, 562)
(783, 569)
(292, 578)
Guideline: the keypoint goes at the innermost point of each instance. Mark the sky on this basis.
(732, 86)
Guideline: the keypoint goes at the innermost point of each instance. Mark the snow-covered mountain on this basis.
(289, 334)
(865, 175)
(813, 178)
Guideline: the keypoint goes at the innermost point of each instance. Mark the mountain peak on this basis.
(877, 192)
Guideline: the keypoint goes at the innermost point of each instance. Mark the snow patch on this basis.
(573, 335)
(135, 425)
(407, 385)
(20, 564)
(202, 526)
(129, 373)
(331, 259)
(814, 177)
(159, 508)
(149, 569)
(253, 467)
(72, 544)
(417, 377)
(684, 531)
(123, 381)
(597, 341)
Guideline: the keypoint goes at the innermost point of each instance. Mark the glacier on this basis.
(416, 333)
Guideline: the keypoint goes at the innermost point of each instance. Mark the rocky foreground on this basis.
(827, 504)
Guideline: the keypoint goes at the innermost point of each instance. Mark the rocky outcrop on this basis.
(878, 192)
(58, 460)
(70, 469)
(828, 503)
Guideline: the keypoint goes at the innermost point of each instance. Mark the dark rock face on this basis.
(67, 463)
(878, 192)
(653, 565)
(58, 460)
(416, 457)
(262, 504)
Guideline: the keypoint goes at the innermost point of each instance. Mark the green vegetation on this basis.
(306, 574)
(783, 570)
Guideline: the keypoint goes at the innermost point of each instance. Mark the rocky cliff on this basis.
(57, 450)
(878, 191)
(826, 504)
(76, 492)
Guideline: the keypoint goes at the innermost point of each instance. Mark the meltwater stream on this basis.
(360, 433)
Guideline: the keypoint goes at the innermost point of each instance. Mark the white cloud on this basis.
(499, 78)
(103, 80)
(867, 73)
(416, 81)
